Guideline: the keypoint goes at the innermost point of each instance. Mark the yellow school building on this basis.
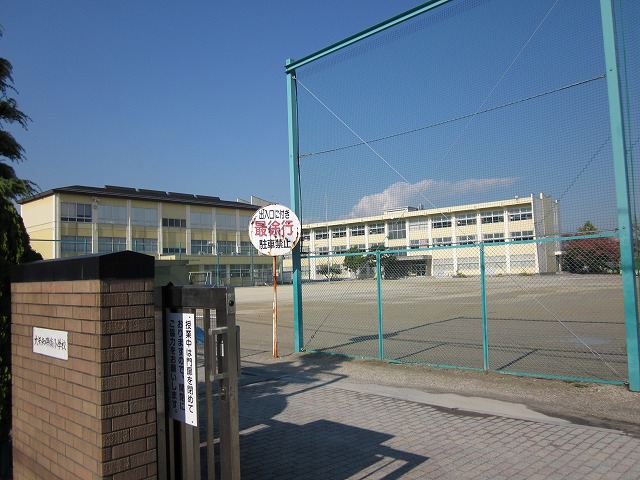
(210, 235)
(441, 242)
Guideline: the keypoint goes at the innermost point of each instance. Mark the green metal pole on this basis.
(409, 14)
(294, 188)
(380, 327)
(485, 322)
(625, 232)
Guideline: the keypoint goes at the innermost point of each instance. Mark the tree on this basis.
(14, 241)
(388, 262)
(11, 187)
(390, 265)
(591, 255)
(588, 228)
(328, 270)
(354, 263)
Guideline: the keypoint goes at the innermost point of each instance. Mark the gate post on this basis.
(179, 441)
(82, 351)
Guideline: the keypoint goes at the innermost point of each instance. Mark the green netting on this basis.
(471, 102)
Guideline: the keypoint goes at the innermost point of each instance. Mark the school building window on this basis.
(147, 217)
(245, 248)
(418, 225)
(442, 242)
(493, 237)
(493, 216)
(466, 239)
(240, 271)
(172, 250)
(397, 230)
(522, 213)
(145, 245)
(75, 244)
(245, 220)
(225, 222)
(376, 228)
(113, 214)
(201, 247)
(174, 222)
(463, 219)
(357, 231)
(226, 247)
(322, 234)
(441, 222)
(112, 244)
(523, 235)
(75, 212)
(339, 232)
(468, 263)
(201, 220)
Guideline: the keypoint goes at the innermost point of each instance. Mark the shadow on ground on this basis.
(313, 447)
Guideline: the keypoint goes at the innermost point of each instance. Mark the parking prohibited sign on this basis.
(274, 230)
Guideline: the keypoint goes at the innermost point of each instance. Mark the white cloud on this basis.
(426, 192)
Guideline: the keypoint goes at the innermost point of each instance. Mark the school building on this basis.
(209, 235)
(443, 241)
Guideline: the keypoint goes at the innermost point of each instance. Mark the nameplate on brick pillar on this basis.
(52, 343)
(182, 366)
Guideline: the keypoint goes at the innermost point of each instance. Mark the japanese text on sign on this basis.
(52, 343)
(274, 230)
(182, 380)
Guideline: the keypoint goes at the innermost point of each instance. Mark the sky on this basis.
(185, 97)
(475, 101)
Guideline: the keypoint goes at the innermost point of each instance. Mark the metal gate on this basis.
(196, 335)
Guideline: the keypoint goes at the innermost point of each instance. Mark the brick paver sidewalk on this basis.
(297, 428)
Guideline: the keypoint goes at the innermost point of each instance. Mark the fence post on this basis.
(625, 226)
(294, 187)
(485, 323)
(380, 327)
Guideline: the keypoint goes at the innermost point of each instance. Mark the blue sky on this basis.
(191, 97)
(475, 101)
(174, 96)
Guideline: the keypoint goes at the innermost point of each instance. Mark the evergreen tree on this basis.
(355, 262)
(14, 241)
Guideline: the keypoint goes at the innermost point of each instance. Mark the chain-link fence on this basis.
(421, 136)
(481, 316)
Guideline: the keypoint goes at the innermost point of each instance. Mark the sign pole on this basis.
(274, 230)
(275, 308)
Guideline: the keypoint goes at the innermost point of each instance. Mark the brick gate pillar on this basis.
(83, 365)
